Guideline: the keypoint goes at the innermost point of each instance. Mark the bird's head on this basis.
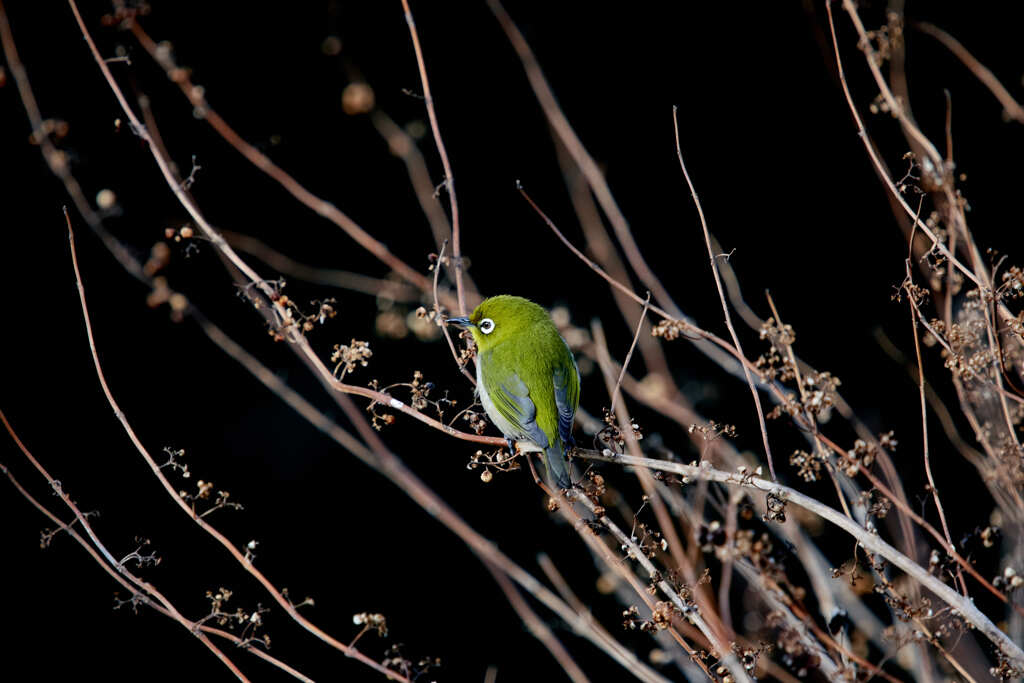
(499, 319)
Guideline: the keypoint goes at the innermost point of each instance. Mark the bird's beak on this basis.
(460, 322)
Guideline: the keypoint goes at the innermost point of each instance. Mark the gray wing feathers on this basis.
(566, 410)
(516, 397)
(566, 394)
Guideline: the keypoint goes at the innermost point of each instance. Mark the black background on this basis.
(766, 135)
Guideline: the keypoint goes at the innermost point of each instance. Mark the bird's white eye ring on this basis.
(486, 326)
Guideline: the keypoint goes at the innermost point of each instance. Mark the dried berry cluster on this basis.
(611, 435)
(670, 329)
(660, 619)
(204, 490)
(250, 622)
(493, 461)
(347, 356)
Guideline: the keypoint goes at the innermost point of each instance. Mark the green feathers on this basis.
(526, 377)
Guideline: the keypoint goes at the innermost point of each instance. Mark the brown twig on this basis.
(926, 453)
(567, 594)
(595, 178)
(442, 323)
(1011, 107)
(57, 161)
(933, 161)
(880, 167)
(60, 168)
(808, 417)
(306, 352)
(969, 452)
(687, 326)
(164, 164)
(261, 161)
(403, 146)
(537, 628)
(614, 563)
(695, 616)
(946, 197)
(629, 354)
(599, 244)
(923, 523)
(583, 257)
(329, 277)
(242, 558)
(449, 177)
(711, 625)
(721, 294)
(949, 143)
(150, 594)
(121, 571)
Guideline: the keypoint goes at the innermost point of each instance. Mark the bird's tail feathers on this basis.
(557, 465)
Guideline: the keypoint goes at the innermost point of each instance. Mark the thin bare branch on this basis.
(449, 177)
(121, 571)
(538, 628)
(329, 277)
(147, 590)
(586, 163)
(880, 167)
(197, 98)
(439, 319)
(243, 559)
(629, 354)
(1011, 108)
(721, 295)
(926, 453)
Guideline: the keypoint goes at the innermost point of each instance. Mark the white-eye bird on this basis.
(526, 378)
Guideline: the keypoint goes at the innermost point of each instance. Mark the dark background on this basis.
(766, 135)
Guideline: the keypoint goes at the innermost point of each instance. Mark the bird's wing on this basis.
(511, 399)
(566, 378)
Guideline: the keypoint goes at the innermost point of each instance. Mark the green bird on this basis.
(526, 378)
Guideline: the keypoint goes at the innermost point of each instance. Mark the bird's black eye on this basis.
(486, 326)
